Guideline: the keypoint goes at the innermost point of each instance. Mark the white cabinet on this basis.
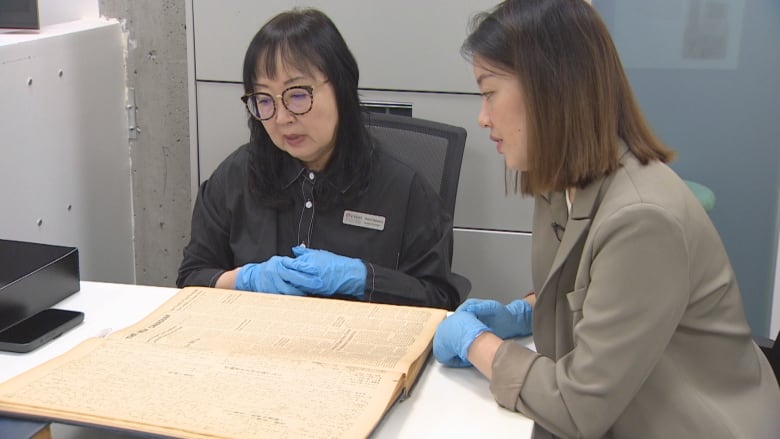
(497, 263)
(65, 161)
(400, 44)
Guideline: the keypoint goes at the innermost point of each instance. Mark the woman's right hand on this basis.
(270, 276)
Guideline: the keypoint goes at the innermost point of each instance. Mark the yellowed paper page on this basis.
(334, 331)
(220, 363)
(189, 393)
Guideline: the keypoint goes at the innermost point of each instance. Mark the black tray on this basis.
(34, 277)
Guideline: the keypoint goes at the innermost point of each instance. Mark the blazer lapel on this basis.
(550, 308)
(558, 279)
(549, 210)
(583, 209)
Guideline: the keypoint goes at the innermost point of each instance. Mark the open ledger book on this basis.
(221, 363)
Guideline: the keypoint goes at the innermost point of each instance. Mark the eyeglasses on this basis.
(298, 100)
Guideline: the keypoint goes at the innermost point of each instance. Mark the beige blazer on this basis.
(638, 322)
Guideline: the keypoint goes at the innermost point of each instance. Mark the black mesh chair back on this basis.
(771, 349)
(434, 149)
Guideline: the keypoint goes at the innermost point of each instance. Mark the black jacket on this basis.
(408, 262)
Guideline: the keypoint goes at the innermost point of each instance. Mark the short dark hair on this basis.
(307, 39)
(579, 101)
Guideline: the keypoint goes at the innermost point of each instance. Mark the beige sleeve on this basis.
(510, 368)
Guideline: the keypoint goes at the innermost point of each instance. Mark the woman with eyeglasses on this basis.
(310, 206)
(638, 321)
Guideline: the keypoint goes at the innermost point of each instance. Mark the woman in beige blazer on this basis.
(638, 320)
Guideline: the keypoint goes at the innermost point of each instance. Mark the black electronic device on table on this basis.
(39, 329)
(34, 278)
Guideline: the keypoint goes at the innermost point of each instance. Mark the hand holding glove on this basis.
(267, 277)
(324, 273)
(512, 320)
(454, 337)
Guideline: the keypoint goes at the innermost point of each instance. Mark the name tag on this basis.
(364, 220)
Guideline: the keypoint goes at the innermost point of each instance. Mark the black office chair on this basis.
(771, 349)
(434, 149)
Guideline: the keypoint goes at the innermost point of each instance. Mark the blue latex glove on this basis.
(324, 273)
(454, 337)
(267, 277)
(512, 320)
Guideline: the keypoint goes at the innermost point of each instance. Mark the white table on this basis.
(445, 402)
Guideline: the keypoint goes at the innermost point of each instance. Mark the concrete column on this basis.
(160, 152)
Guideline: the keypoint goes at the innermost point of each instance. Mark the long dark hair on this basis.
(578, 99)
(307, 39)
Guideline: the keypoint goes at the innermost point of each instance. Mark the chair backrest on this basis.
(434, 149)
(771, 349)
(773, 355)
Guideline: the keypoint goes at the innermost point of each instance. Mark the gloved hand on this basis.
(325, 273)
(512, 320)
(454, 337)
(267, 277)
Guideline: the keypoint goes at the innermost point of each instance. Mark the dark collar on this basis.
(293, 170)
